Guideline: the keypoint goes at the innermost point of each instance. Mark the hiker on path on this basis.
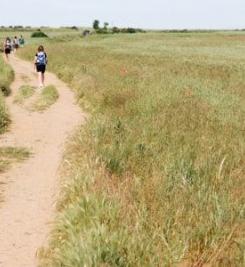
(7, 47)
(12, 45)
(21, 41)
(40, 62)
(16, 43)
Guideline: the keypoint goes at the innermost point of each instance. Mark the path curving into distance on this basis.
(30, 189)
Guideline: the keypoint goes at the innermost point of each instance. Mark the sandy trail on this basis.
(30, 188)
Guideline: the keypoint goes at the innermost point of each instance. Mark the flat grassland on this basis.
(155, 178)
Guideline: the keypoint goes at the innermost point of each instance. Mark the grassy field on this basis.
(155, 178)
(26, 33)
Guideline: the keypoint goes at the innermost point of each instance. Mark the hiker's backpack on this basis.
(22, 41)
(41, 58)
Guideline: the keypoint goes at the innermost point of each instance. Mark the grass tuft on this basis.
(6, 77)
(24, 93)
(11, 155)
(4, 115)
(48, 97)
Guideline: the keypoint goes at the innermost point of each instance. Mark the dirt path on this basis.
(30, 188)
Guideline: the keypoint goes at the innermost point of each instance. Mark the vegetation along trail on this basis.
(29, 188)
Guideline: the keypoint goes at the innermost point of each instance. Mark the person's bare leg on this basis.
(42, 79)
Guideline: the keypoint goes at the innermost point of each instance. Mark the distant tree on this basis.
(74, 28)
(102, 31)
(18, 27)
(96, 24)
(106, 30)
(131, 30)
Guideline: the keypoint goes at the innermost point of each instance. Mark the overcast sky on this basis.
(159, 14)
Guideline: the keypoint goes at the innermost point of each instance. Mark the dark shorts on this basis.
(41, 68)
(7, 50)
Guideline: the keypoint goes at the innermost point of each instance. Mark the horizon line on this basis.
(154, 29)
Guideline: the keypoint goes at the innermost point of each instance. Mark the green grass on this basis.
(155, 177)
(4, 115)
(48, 97)
(24, 92)
(52, 33)
(11, 155)
(6, 77)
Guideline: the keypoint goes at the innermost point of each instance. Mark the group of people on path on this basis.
(40, 59)
(11, 45)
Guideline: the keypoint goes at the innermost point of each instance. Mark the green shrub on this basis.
(39, 34)
(4, 116)
(5, 89)
(129, 30)
(115, 30)
(102, 31)
(6, 78)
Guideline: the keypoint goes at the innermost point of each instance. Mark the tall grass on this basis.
(4, 116)
(6, 77)
(155, 177)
